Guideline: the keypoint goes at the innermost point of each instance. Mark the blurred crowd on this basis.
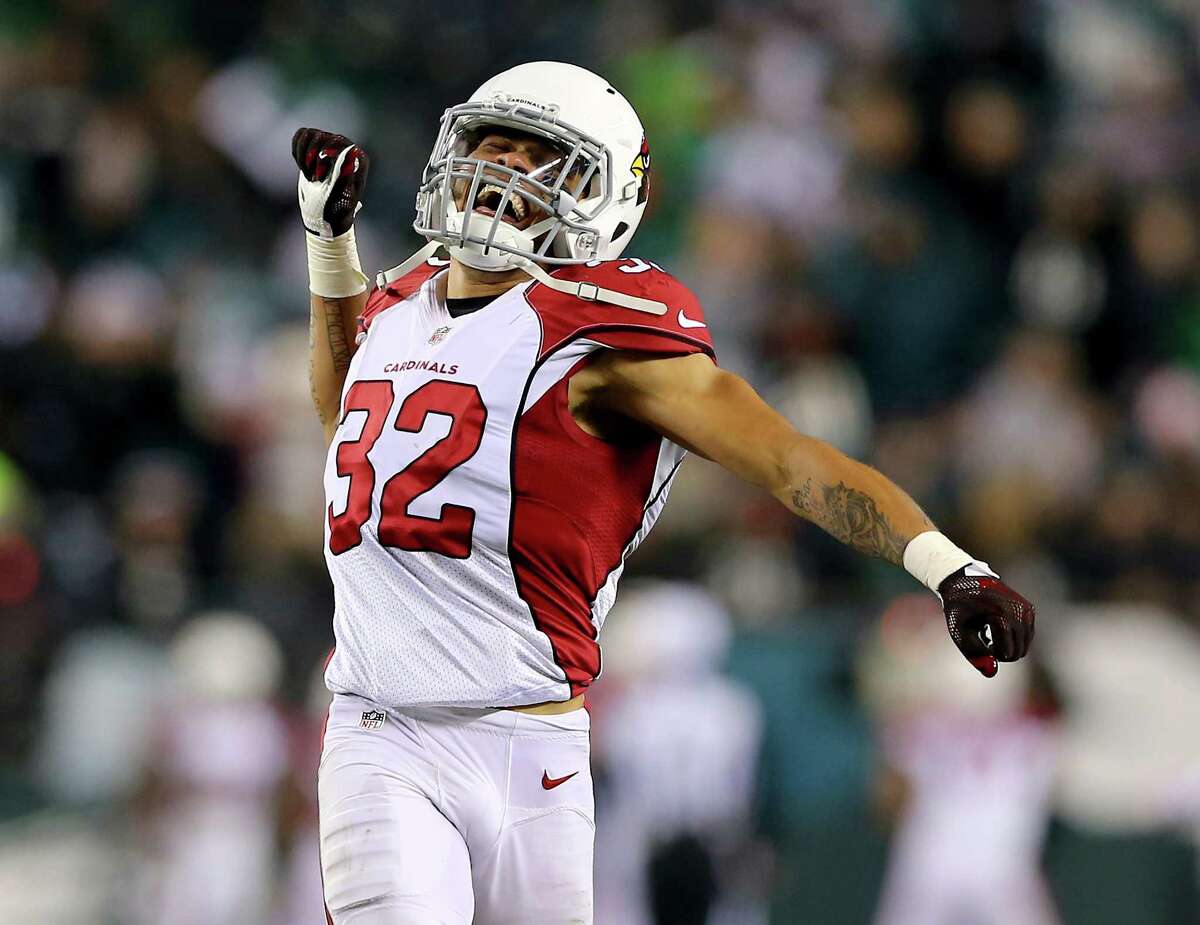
(958, 240)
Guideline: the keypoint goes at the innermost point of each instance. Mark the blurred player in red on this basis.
(504, 426)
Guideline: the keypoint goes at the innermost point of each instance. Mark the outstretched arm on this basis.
(717, 415)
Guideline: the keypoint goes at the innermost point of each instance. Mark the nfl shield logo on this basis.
(372, 719)
(439, 335)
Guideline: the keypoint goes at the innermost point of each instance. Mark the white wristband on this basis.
(333, 268)
(930, 558)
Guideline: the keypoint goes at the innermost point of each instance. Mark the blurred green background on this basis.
(957, 240)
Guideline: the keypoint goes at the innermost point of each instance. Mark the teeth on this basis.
(518, 204)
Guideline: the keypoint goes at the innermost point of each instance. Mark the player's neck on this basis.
(466, 282)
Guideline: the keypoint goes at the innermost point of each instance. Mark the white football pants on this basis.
(452, 816)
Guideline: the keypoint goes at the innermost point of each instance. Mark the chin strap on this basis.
(585, 290)
(589, 291)
(386, 277)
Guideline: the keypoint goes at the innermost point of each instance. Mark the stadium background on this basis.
(958, 240)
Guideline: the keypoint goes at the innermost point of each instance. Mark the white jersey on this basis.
(474, 533)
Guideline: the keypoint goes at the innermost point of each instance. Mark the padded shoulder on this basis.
(396, 291)
(564, 318)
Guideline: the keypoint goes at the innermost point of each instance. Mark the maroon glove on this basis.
(333, 177)
(988, 620)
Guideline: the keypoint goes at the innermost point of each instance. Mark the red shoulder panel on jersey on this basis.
(396, 291)
(564, 318)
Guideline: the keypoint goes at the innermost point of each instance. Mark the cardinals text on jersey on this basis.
(475, 534)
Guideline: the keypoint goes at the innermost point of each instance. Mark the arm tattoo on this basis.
(339, 350)
(337, 338)
(852, 517)
(312, 372)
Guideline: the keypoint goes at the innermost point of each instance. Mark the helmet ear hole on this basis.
(620, 230)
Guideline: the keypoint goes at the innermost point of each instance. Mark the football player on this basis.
(504, 426)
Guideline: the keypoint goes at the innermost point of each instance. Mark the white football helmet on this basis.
(593, 195)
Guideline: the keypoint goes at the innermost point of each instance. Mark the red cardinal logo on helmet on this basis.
(641, 169)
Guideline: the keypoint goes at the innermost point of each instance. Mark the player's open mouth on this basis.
(515, 210)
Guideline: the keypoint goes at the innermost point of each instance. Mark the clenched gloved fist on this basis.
(333, 176)
(977, 603)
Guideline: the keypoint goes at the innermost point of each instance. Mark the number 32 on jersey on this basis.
(450, 532)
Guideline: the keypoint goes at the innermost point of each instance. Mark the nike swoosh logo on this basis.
(549, 783)
(322, 155)
(686, 322)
